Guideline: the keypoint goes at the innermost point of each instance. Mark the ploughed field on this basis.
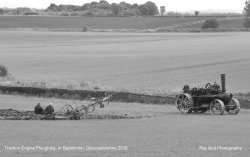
(133, 61)
(167, 133)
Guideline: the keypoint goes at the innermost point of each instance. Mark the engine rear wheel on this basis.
(184, 103)
(217, 107)
(236, 104)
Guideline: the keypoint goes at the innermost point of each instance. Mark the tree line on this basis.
(105, 8)
(101, 8)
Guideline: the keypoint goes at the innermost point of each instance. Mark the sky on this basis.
(171, 5)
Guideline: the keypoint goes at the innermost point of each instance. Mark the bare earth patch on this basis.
(22, 108)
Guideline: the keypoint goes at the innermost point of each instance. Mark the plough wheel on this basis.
(184, 103)
(90, 108)
(67, 109)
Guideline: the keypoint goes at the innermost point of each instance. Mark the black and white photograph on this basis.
(124, 78)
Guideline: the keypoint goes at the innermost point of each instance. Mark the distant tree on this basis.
(196, 13)
(135, 5)
(125, 5)
(53, 7)
(135, 9)
(162, 10)
(94, 4)
(1, 11)
(247, 8)
(69, 8)
(116, 9)
(246, 23)
(86, 6)
(74, 7)
(104, 5)
(246, 12)
(210, 23)
(62, 8)
(149, 8)
(103, 1)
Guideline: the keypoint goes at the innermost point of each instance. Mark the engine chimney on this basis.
(223, 82)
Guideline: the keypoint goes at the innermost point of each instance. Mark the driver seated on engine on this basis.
(186, 89)
(212, 87)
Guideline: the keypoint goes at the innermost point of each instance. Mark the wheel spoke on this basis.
(179, 101)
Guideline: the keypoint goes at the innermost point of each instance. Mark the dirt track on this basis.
(168, 133)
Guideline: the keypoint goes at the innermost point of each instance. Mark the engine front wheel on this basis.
(217, 107)
(236, 104)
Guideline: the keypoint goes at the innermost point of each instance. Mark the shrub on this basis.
(210, 23)
(246, 22)
(196, 13)
(84, 84)
(89, 14)
(31, 13)
(65, 14)
(85, 29)
(3, 71)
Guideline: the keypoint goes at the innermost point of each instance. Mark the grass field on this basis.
(111, 23)
(133, 61)
(93, 22)
(168, 133)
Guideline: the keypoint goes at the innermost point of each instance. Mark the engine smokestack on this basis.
(223, 82)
